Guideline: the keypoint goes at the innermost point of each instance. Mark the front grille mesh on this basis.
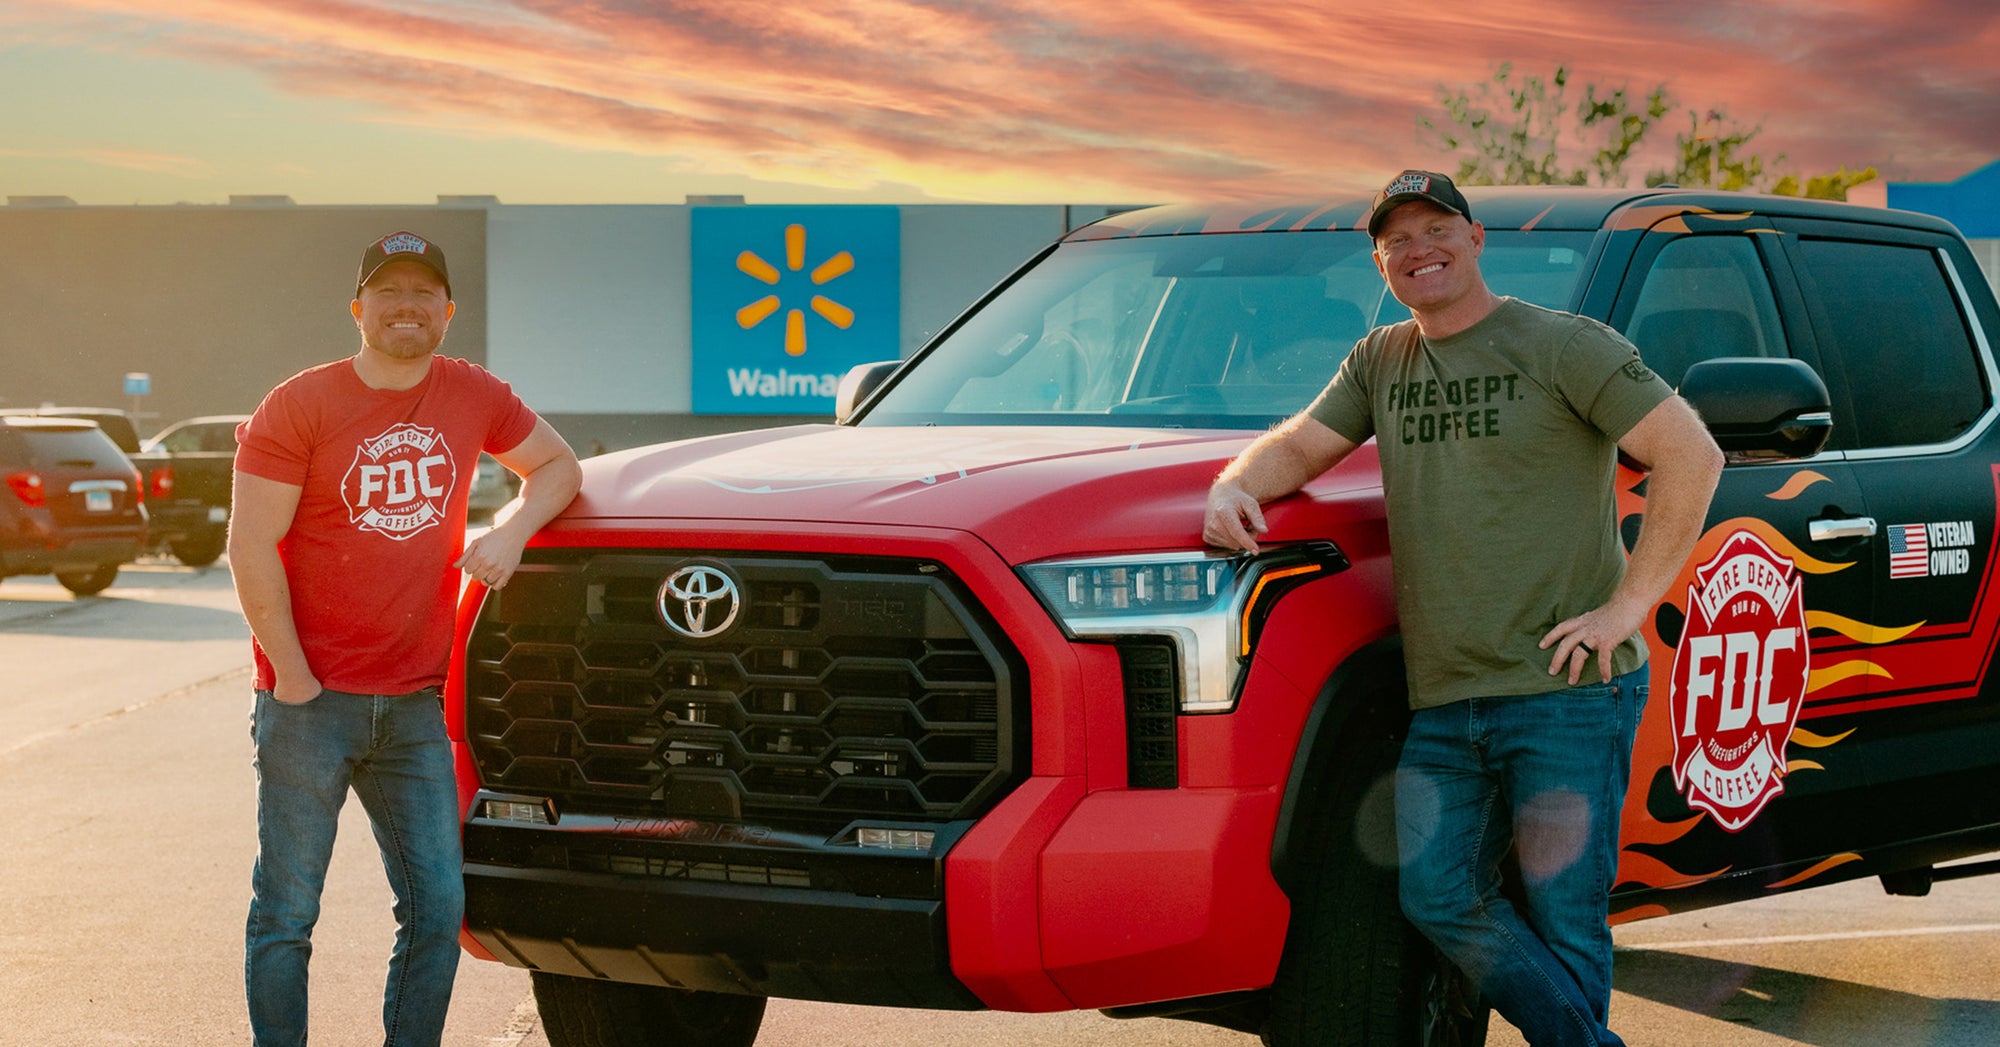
(1151, 670)
(868, 688)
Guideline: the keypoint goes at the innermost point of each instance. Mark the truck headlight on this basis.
(1212, 604)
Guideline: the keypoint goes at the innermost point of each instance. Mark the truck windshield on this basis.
(1232, 331)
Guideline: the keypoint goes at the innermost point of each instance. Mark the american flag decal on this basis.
(1909, 551)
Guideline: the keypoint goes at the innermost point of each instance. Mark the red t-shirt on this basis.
(384, 476)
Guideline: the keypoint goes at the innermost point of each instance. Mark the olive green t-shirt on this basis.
(1499, 450)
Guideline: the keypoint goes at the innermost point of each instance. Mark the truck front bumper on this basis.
(663, 902)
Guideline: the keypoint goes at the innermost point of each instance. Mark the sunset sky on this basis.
(1112, 101)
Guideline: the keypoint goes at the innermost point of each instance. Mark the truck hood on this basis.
(1028, 493)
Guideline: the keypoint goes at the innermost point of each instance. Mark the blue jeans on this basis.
(393, 751)
(1544, 774)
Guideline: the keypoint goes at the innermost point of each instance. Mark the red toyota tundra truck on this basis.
(946, 704)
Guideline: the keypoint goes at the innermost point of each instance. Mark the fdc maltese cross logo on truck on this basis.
(1739, 679)
(826, 272)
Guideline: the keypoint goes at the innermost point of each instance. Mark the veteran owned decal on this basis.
(1929, 550)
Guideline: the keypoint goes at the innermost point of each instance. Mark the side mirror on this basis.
(1761, 410)
(857, 384)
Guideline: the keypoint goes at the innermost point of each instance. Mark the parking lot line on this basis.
(1787, 939)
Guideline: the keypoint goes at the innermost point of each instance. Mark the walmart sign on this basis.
(786, 299)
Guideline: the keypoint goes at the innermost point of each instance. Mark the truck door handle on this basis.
(1828, 530)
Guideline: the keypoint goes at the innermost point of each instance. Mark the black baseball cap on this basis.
(396, 247)
(1416, 185)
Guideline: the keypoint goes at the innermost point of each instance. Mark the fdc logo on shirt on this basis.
(786, 299)
(399, 481)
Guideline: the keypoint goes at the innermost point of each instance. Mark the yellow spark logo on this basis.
(795, 319)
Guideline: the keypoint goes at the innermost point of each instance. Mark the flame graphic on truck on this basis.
(1658, 846)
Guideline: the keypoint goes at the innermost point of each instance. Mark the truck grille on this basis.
(852, 689)
(1151, 670)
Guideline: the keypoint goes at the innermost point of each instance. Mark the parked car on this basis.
(947, 705)
(203, 453)
(155, 467)
(72, 504)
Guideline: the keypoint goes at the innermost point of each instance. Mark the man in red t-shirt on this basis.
(346, 543)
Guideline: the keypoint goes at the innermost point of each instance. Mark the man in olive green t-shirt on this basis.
(1498, 425)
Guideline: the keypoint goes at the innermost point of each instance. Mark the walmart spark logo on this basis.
(835, 291)
(795, 320)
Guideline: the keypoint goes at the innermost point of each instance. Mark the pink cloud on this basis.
(154, 163)
(126, 159)
(1110, 99)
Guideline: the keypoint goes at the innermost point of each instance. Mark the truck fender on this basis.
(1362, 702)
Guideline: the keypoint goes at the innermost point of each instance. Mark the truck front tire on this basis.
(590, 1012)
(1354, 972)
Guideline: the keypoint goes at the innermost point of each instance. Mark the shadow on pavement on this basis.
(1807, 1009)
(198, 604)
(188, 623)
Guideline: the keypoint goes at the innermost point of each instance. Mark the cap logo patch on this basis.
(1409, 183)
(404, 243)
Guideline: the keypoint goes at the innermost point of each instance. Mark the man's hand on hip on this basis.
(1589, 636)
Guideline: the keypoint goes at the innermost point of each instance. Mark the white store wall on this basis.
(589, 305)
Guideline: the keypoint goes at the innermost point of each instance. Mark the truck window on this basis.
(1888, 314)
(1223, 330)
(1703, 298)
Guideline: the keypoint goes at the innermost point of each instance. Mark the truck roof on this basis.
(1496, 207)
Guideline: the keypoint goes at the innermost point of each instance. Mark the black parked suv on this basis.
(73, 505)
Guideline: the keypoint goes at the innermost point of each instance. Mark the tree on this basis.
(1522, 130)
(1827, 186)
(1708, 155)
(1515, 130)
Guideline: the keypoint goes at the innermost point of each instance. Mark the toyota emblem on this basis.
(699, 601)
